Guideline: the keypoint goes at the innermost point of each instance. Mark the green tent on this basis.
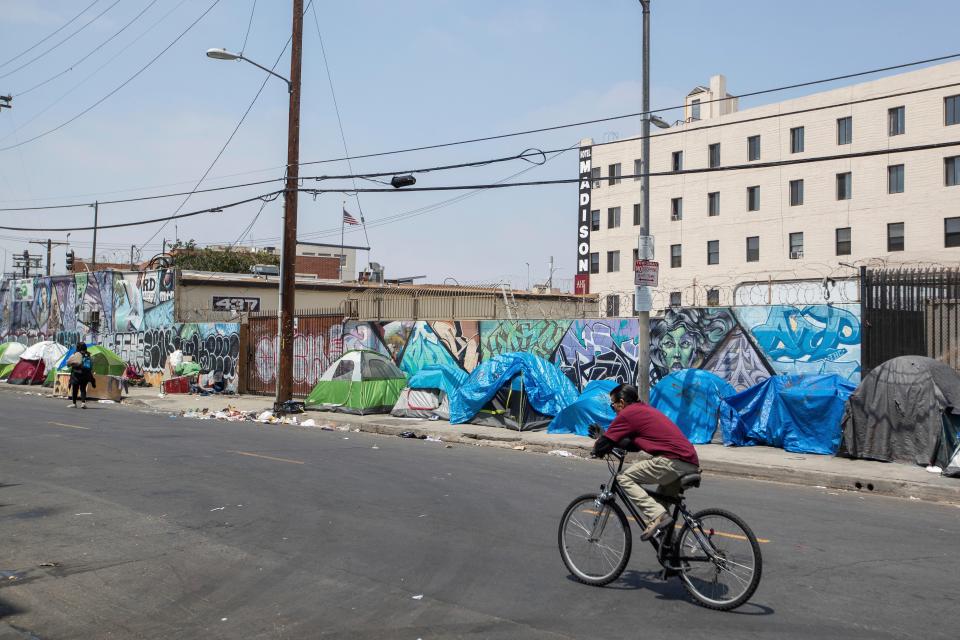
(9, 357)
(359, 382)
(105, 363)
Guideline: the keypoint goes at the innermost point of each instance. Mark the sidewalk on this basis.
(762, 463)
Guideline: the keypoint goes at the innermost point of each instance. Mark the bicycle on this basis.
(715, 575)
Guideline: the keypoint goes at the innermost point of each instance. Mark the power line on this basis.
(95, 71)
(90, 53)
(249, 24)
(42, 40)
(137, 223)
(121, 86)
(37, 57)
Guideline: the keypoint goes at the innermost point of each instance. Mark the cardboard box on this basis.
(108, 387)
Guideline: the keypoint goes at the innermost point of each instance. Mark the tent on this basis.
(516, 390)
(592, 407)
(903, 411)
(35, 361)
(428, 392)
(10, 353)
(360, 382)
(798, 413)
(105, 363)
(693, 399)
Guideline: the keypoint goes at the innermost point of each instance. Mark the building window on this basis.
(637, 214)
(595, 177)
(951, 168)
(636, 255)
(796, 193)
(613, 261)
(753, 148)
(676, 208)
(753, 249)
(713, 203)
(845, 130)
(613, 174)
(895, 236)
(677, 161)
(844, 185)
(713, 153)
(613, 217)
(951, 110)
(594, 263)
(753, 198)
(951, 232)
(713, 252)
(613, 305)
(844, 245)
(637, 169)
(796, 245)
(796, 140)
(595, 220)
(695, 109)
(676, 256)
(896, 121)
(675, 299)
(713, 297)
(895, 178)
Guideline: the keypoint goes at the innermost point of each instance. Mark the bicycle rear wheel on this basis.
(719, 559)
(595, 541)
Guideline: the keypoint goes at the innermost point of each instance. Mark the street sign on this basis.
(645, 249)
(642, 300)
(646, 273)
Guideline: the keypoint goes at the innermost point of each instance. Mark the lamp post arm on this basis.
(270, 71)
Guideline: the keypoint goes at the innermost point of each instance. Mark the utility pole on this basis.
(289, 251)
(50, 245)
(96, 214)
(133, 248)
(643, 299)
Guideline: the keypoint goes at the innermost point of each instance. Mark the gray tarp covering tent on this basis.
(905, 410)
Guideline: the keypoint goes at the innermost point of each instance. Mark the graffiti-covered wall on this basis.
(134, 314)
(743, 345)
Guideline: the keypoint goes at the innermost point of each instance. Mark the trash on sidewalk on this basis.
(411, 434)
(418, 597)
(432, 439)
(309, 422)
(107, 401)
(562, 453)
(519, 447)
(327, 427)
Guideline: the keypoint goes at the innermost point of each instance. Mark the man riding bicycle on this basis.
(669, 454)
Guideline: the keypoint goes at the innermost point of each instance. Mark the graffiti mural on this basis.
(424, 347)
(539, 337)
(738, 362)
(685, 339)
(395, 336)
(362, 335)
(143, 300)
(462, 340)
(808, 339)
(94, 292)
(600, 350)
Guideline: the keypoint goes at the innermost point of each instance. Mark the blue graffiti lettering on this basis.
(813, 333)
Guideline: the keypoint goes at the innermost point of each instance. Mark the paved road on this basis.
(162, 528)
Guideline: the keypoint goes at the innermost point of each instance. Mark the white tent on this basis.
(11, 354)
(50, 352)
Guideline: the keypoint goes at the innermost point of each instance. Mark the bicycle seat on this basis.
(690, 480)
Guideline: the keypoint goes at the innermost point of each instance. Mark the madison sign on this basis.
(583, 227)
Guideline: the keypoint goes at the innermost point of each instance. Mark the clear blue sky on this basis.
(405, 74)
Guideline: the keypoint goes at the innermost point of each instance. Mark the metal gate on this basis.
(910, 312)
(317, 343)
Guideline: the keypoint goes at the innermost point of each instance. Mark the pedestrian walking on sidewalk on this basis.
(81, 374)
(669, 454)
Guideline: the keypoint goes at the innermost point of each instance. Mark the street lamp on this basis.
(223, 54)
(660, 122)
(288, 258)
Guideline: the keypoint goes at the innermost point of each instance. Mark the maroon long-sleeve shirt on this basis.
(653, 432)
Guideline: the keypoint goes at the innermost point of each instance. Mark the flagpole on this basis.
(343, 221)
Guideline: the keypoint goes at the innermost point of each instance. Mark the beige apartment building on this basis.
(772, 212)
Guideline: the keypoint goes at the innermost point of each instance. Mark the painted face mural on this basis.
(685, 338)
(678, 348)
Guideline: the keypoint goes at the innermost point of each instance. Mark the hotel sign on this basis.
(583, 226)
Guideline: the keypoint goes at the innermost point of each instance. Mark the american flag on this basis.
(349, 219)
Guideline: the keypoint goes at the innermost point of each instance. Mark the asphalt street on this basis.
(118, 524)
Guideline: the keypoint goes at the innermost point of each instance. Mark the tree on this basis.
(186, 255)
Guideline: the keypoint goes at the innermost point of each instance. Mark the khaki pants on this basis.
(665, 472)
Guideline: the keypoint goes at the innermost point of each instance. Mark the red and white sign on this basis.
(581, 284)
(646, 273)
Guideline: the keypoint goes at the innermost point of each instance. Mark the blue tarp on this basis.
(592, 407)
(547, 389)
(801, 414)
(693, 399)
(445, 377)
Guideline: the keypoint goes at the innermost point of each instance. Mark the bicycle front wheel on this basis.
(594, 540)
(719, 559)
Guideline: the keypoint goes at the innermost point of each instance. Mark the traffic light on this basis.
(70, 260)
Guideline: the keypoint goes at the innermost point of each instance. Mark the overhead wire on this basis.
(45, 38)
(119, 87)
(56, 46)
(89, 53)
(253, 9)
